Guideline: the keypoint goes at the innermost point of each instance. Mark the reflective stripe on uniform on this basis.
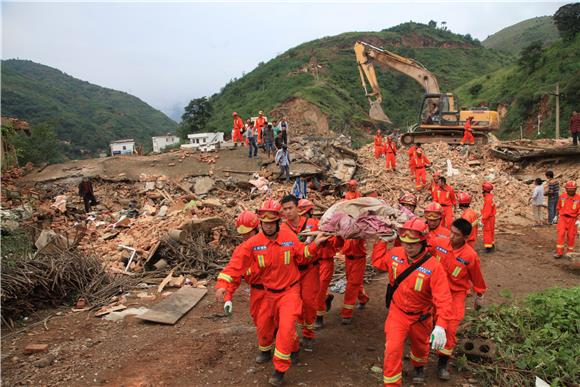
(281, 355)
(287, 257)
(392, 379)
(447, 352)
(267, 348)
(261, 261)
(417, 359)
(456, 271)
(225, 277)
(345, 306)
(307, 252)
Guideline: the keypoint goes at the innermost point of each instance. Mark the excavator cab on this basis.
(439, 109)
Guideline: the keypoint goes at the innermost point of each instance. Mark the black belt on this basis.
(281, 290)
(257, 286)
(307, 266)
(445, 205)
(353, 258)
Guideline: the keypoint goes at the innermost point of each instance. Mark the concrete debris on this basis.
(203, 185)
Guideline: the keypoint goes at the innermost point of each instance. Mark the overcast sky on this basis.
(168, 53)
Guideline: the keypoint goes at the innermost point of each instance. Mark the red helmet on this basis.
(246, 222)
(270, 211)
(353, 183)
(413, 231)
(305, 205)
(408, 198)
(487, 186)
(570, 185)
(433, 211)
(463, 198)
(235, 114)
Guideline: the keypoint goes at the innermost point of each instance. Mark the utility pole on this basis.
(557, 95)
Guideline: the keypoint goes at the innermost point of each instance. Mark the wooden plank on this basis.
(171, 309)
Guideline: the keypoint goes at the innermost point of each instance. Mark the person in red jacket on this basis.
(433, 213)
(309, 273)
(412, 303)
(468, 214)
(463, 273)
(445, 195)
(568, 208)
(260, 122)
(390, 150)
(434, 184)
(420, 163)
(275, 253)
(355, 255)
(353, 192)
(488, 217)
(378, 144)
(237, 130)
(411, 154)
(468, 132)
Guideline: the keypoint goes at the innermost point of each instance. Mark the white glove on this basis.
(438, 338)
(555, 219)
(228, 307)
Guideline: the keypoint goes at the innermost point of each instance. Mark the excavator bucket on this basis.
(376, 113)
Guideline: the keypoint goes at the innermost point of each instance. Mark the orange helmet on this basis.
(487, 186)
(246, 222)
(353, 183)
(235, 114)
(463, 198)
(270, 211)
(570, 185)
(408, 198)
(413, 231)
(305, 205)
(433, 211)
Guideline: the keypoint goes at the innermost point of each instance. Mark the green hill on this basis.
(513, 38)
(85, 117)
(324, 73)
(523, 91)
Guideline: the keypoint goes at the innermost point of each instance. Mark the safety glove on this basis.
(438, 338)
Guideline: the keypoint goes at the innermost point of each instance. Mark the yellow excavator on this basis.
(440, 118)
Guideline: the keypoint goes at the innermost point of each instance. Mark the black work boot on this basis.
(263, 357)
(307, 344)
(442, 371)
(294, 357)
(277, 378)
(418, 375)
(346, 320)
(328, 301)
(319, 323)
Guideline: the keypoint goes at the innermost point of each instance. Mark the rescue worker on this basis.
(86, 192)
(355, 255)
(353, 192)
(463, 273)
(468, 132)
(434, 184)
(260, 122)
(568, 209)
(433, 213)
(420, 162)
(390, 150)
(468, 214)
(445, 195)
(309, 273)
(378, 144)
(237, 130)
(275, 253)
(410, 309)
(488, 217)
(411, 154)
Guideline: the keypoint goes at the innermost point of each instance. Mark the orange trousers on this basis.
(237, 137)
(391, 161)
(458, 306)
(326, 272)
(447, 216)
(378, 151)
(567, 231)
(355, 271)
(411, 167)
(256, 297)
(420, 178)
(309, 285)
(276, 325)
(259, 136)
(489, 232)
(398, 327)
(467, 138)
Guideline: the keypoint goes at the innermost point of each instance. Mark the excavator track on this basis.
(452, 137)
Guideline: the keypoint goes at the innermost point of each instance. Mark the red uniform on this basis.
(463, 272)
(309, 279)
(390, 150)
(348, 195)
(260, 122)
(410, 311)
(439, 232)
(411, 153)
(488, 218)
(472, 217)
(355, 254)
(277, 263)
(446, 197)
(568, 209)
(419, 164)
(467, 134)
(326, 252)
(378, 146)
(238, 126)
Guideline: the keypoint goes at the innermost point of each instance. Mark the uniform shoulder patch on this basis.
(444, 251)
(396, 259)
(288, 243)
(259, 248)
(424, 270)
(461, 260)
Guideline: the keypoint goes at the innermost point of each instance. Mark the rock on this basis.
(203, 185)
(35, 348)
(162, 211)
(212, 203)
(345, 169)
(45, 361)
(202, 225)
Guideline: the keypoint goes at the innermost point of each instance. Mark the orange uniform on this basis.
(309, 279)
(260, 122)
(467, 134)
(390, 150)
(463, 272)
(411, 153)
(355, 253)
(326, 252)
(488, 218)
(439, 232)
(410, 310)
(568, 209)
(348, 195)
(238, 126)
(472, 217)
(378, 146)
(277, 263)
(419, 165)
(446, 197)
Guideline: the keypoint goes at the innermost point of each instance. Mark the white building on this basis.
(204, 141)
(161, 142)
(122, 147)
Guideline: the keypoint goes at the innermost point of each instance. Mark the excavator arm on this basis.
(367, 55)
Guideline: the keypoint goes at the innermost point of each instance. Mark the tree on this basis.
(567, 20)
(475, 89)
(432, 24)
(42, 146)
(195, 118)
(530, 56)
